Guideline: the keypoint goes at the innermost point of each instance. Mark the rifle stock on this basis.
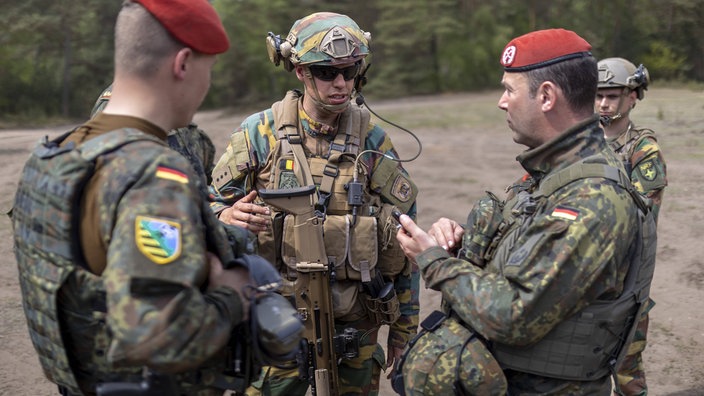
(312, 287)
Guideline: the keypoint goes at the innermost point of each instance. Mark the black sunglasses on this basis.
(329, 73)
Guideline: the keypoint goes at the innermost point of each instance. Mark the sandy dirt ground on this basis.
(467, 149)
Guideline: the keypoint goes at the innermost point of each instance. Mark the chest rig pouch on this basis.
(344, 203)
(590, 344)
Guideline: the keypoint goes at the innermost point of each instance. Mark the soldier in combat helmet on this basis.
(322, 132)
(621, 86)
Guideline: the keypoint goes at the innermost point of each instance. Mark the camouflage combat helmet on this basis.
(618, 73)
(446, 358)
(320, 38)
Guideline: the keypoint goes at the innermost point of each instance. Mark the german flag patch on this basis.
(164, 172)
(565, 213)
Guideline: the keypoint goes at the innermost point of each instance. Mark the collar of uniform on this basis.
(582, 140)
(617, 142)
(103, 123)
(314, 128)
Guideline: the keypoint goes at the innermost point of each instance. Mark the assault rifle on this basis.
(320, 347)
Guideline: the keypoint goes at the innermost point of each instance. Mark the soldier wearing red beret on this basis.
(120, 257)
(548, 276)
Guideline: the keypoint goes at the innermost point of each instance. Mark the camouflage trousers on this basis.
(358, 376)
(631, 372)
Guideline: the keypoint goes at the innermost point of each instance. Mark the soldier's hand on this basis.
(235, 278)
(448, 233)
(392, 356)
(247, 214)
(413, 239)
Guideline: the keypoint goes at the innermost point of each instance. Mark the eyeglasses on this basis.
(329, 73)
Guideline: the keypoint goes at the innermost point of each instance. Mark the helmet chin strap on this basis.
(608, 120)
(328, 108)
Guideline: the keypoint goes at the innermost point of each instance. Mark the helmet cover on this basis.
(327, 38)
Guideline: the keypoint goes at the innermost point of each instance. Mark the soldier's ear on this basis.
(547, 94)
(180, 62)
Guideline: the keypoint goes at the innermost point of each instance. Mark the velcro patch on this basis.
(158, 239)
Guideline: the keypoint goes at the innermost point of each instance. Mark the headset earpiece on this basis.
(361, 80)
(279, 50)
(273, 45)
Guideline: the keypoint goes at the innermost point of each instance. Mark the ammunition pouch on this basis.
(352, 251)
(484, 221)
(380, 301)
(383, 310)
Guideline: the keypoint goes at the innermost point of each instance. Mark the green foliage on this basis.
(56, 56)
(664, 63)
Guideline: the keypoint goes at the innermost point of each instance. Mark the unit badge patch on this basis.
(402, 189)
(158, 239)
(647, 170)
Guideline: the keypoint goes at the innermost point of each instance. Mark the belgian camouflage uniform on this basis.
(145, 227)
(191, 141)
(639, 150)
(257, 138)
(572, 252)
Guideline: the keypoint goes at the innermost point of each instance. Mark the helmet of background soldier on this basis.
(449, 359)
(619, 73)
(324, 38)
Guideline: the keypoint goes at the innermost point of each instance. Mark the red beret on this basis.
(542, 48)
(192, 22)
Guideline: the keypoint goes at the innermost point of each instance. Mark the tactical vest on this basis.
(359, 240)
(46, 221)
(590, 344)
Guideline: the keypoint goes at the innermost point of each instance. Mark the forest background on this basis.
(56, 55)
